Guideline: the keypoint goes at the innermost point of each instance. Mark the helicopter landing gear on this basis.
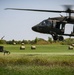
(56, 37)
(61, 38)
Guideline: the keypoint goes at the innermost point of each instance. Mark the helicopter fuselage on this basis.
(54, 26)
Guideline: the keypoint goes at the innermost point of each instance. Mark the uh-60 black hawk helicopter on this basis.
(54, 26)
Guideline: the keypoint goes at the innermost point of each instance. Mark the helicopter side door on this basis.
(59, 27)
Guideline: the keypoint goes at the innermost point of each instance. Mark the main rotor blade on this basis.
(35, 10)
(67, 11)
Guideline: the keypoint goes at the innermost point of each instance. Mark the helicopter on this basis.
(54, 26)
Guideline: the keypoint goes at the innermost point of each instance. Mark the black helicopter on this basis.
(54, 26)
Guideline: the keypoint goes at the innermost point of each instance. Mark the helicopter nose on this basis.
(34, 28)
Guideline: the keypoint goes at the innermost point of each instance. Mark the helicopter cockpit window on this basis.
(49, 23)
(46, 22)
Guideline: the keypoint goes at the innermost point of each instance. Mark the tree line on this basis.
(66, 41)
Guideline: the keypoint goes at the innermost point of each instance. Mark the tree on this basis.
(25, 41)
(2, 41)
(36, 40)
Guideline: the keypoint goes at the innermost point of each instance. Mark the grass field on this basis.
(45, 60)
(39, 49)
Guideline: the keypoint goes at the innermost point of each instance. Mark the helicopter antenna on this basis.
(61, 15)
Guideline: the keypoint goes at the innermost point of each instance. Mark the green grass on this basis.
(36, 70)
(36, 64)
(39, 49)
(27, 62)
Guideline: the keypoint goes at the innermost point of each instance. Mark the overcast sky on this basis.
(17, 24)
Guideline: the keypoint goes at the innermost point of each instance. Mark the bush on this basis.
(68, 41)
(2, 41)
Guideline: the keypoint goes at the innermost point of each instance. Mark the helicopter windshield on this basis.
(46, 22)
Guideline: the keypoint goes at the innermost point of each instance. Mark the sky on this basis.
(15, 24)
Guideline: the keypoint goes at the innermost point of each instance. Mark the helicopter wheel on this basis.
(55, 37)
(60, 38)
